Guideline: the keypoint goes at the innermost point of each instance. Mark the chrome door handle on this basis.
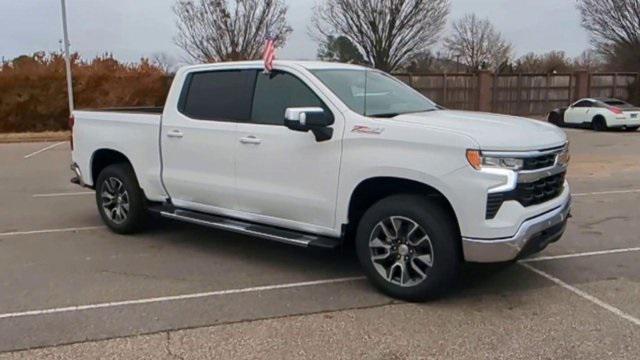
(175, 134)
(251, 140)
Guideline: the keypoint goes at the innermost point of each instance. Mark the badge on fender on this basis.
(367, 130)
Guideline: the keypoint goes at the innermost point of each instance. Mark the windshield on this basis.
(373, 93)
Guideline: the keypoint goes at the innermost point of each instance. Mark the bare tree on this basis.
(615, 29)
(589, 60)
(226, 30)
(340, 49)
(388, 33)
(553, 61)
(164, 61)
(477, 43)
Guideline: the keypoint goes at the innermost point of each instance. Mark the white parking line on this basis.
(45, 149)
(584, 295)
(612, 192)
(569, 256)
(63, 194)
(178, 297)
(47, 231)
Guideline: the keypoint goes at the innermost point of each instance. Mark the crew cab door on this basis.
(578, 112)
(199, 139)
(286, 177)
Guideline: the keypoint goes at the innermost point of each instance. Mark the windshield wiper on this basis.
(386, 116)
(394, 114)
(421, 111)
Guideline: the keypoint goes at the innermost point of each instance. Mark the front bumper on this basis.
(533, 236)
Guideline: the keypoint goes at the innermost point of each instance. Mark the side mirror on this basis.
(313, 119)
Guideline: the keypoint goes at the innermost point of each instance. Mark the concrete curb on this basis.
(10, 138)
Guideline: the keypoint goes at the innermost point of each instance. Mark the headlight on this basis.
(504, 163)
(564, 157)
(478, 161)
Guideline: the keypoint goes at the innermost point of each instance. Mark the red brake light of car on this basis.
(615, 110)
(72, 122)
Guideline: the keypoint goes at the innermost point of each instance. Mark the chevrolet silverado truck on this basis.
(317, 154)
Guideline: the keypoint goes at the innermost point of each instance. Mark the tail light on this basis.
(615, 110)
(72, 122)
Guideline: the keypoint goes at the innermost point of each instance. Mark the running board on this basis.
(247, 228)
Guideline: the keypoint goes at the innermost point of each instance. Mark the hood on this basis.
(492, 131)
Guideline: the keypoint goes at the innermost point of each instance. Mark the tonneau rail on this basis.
(140, 109)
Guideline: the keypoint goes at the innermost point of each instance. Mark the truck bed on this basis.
(132, 132)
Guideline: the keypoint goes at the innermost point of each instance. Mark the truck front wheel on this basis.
(120, 200)
(408, 248)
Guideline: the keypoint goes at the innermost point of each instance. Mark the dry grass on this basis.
(33, 95)
(34, 137)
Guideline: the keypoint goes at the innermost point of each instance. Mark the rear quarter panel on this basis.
(134, 135)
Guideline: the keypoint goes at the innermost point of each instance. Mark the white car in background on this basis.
(598, 114)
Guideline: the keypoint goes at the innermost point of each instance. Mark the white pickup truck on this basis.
(317, 154)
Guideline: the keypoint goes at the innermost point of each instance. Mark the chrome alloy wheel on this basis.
(115, 200)
(401, 251)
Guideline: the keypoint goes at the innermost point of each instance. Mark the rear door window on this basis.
(219, 95)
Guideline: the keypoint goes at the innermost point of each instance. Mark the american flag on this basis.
(269, 52)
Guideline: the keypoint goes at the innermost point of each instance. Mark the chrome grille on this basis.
(527, 194)
(539, 162)
(540, 191)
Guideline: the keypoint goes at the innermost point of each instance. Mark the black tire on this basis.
(599, 124)
(632, 128)
(106, 184)
(556, 119)
(444, 242)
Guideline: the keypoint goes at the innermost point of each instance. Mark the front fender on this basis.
(348, 189)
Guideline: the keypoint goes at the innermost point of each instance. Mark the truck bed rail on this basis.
(138, 110)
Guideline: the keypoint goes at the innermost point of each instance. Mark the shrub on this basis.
(33, 93)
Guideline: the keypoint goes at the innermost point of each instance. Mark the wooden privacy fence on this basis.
(518, 94)
(456, 91)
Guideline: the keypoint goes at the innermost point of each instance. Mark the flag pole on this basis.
(67, 56)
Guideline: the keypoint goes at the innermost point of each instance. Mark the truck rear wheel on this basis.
(120, 200)
(408, 247)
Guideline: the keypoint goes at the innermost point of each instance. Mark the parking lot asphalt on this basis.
(69, 288)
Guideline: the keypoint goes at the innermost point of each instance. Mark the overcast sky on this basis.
(131, 29)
